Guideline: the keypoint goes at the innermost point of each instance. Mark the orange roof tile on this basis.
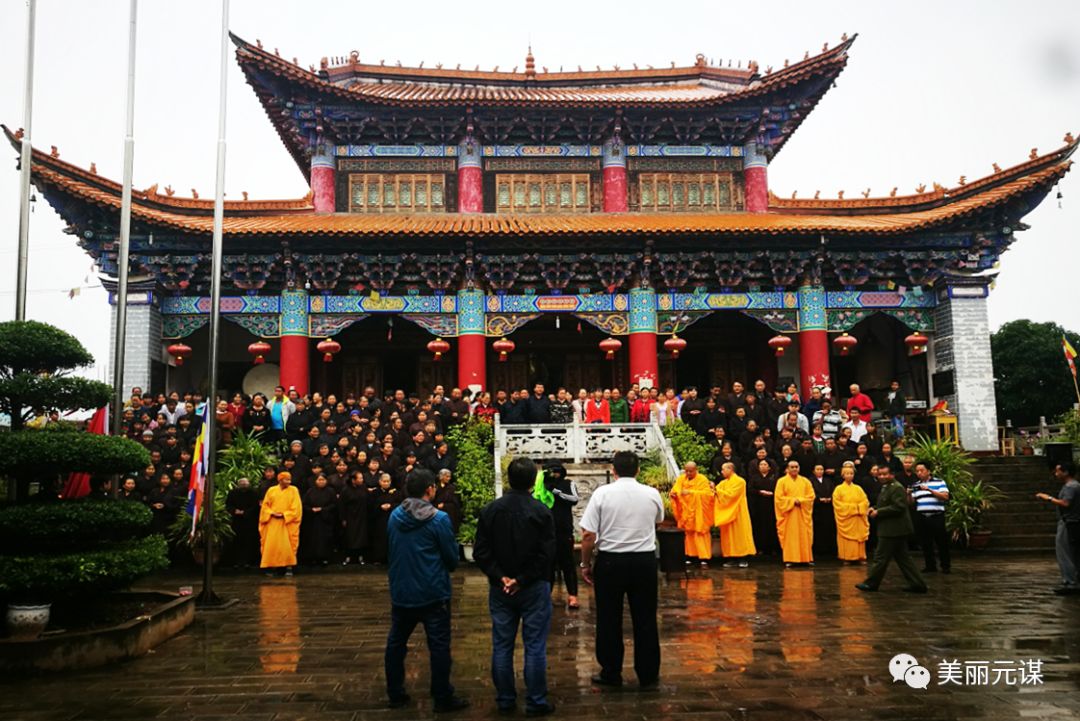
(695, 85)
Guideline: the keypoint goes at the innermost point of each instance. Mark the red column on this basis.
(472, 361)
(755, 179)
(295, 362)
(614, 173)
(470, 178)
(644, 362)
(323, 193)
(813, 339)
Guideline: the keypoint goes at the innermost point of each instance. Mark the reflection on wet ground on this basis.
(754, 644)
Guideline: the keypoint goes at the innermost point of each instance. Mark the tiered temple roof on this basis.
(71, 188)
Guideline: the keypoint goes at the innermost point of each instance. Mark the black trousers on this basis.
(893, 548)
(930, 528)
(632, 576)
(564, 561)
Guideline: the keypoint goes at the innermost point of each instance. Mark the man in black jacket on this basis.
(565, 497)
(515, 547)
(896, 408)
(538, 406)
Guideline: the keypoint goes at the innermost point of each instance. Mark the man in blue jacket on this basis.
(423, 551)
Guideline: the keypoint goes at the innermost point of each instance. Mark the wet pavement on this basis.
(738, 644)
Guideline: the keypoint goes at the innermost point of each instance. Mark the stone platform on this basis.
(758, 644)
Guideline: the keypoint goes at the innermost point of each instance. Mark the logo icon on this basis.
(905, 667)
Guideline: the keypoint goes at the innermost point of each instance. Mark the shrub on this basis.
(472, 443)
(687, 445)
(50, 452)
(951, 463)
(31, 346)
(51, 578)
(246, 457)
(36, 528)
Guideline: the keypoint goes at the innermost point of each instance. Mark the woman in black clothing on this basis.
(760, 487)
(164, 502)
(382, 503)
(257, 417)
(353, 504)
(319, 521)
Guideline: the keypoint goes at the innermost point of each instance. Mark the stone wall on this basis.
(962, 344)
(143, 366)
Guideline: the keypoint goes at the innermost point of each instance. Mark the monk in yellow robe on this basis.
(733, 518)
(692, 498)
(850, 505)
(794, 503)
(279, 524)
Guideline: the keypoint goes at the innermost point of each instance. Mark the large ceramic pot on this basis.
(27, 622)
(978, 540)
(672, 543)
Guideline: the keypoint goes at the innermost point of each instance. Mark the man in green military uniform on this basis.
(620, 409)
(893, 529)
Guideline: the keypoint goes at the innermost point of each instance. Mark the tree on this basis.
(36, 363)
(1031, 377)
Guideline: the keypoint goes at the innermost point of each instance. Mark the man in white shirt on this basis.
(620, 524)
(856, 424)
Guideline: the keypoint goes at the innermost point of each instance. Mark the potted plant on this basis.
(473, 445)
(670, 539)
(964, 512)
(180, 534)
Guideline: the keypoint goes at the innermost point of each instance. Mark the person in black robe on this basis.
(566, 497)
(353, 510)
(760, 487)
(129, 491)
(382, 504)
(447, 499)
(242, 504)
(268, 481)
(164, 503)
(257, 418)
(824, 518)
(318, 523)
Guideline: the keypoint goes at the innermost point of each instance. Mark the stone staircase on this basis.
(1020, 522)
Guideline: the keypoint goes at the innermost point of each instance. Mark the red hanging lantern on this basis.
(779, 343)
(503, 347)
(610, 346)
(259, 349)
(675, 345)
(438, 347)
(179, 351)
(916, 343)
(328, 348)
(845, 343)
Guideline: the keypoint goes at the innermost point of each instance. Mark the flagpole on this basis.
(25, 160)
(208, 597)
(125, 233)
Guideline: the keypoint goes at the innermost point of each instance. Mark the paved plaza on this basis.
(745, 645)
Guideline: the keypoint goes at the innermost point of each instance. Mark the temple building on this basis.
(489, 229)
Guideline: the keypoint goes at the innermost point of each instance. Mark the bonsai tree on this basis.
(36, 361)
(54, 551)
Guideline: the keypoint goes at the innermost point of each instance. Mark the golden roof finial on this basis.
(920, 188)
(866, 193)
(1034, 154)
(93, 167)
(963, 180)
(194, 194)
(169, 192)
(817, 194)
(892, 193)
(794, 193)
(1069, 139)
(244, 193)
(840, 195)
(54, 152)
(997, 168)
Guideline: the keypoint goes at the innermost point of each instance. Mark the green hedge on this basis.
(473, 446)
(36, 453)
(39, 347)
(688, 446)
(79, 574)
(27, 391)
(83, 524)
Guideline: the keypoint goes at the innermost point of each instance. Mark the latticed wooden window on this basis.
(686, 192)
(397, 193)
(547, 193)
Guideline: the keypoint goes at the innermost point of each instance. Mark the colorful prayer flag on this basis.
(200, 464)
(1070, 354)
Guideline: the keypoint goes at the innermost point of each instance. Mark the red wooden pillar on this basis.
(813, 339)
(755, 179)
(613, 163)
(472, 341)
(295, 368)
(470, 178)
(323, 172)
(644, 361)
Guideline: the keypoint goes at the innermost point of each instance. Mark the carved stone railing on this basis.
(579, 443)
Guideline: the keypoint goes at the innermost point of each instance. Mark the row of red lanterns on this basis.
(844, 344)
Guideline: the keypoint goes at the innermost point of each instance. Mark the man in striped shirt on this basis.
(930, 495)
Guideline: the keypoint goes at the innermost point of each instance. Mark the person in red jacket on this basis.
(861, 401)
(597, 409)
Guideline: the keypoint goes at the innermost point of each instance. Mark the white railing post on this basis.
(499, 447)
(577, 440)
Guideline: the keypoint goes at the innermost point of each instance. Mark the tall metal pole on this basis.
(125, 234)
(208, 597)
(25, 159)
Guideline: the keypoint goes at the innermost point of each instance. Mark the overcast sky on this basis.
(932, 91)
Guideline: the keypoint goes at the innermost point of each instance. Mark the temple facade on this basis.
(488, 229)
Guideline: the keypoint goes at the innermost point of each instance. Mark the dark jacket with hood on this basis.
(423, 551)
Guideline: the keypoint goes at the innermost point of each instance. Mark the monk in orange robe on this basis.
(733, 518)
(850, 505)
(279, 524)
(794, 502)
(692, 498)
